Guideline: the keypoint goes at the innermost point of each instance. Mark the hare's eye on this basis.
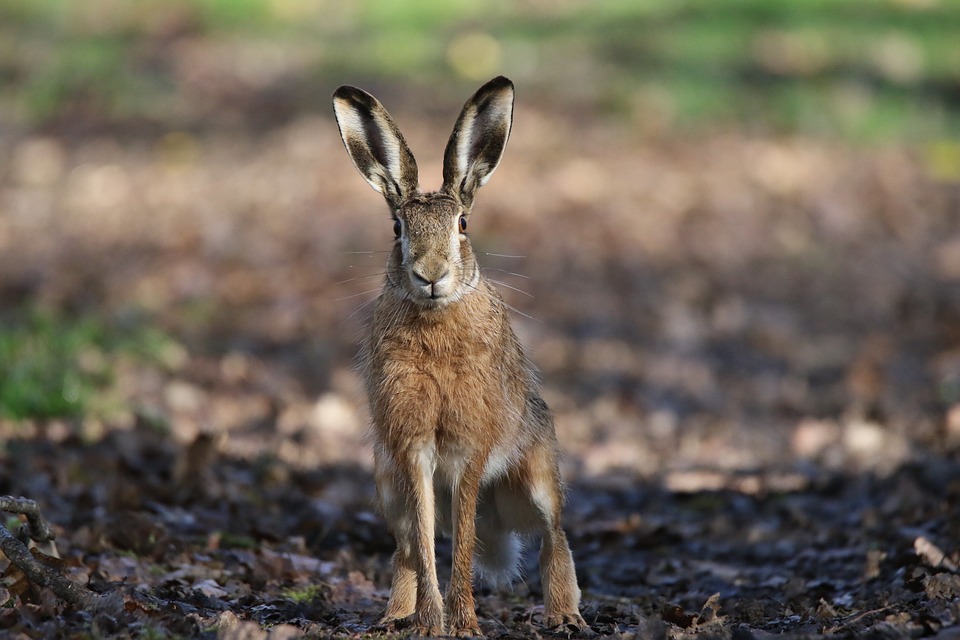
(463, 224)
(396, 227)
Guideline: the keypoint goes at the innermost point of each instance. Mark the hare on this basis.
(462, 438)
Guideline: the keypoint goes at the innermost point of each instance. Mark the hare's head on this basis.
(432, 261)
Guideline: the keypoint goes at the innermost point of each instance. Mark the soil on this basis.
(751, 346)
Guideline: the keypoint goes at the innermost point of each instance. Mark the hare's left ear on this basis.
(478, 140)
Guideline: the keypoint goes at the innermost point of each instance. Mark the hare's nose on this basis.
(424, 280)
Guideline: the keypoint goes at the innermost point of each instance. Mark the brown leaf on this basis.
(230, 627)
(210, 588)
(50, 604)
(945, 586)
(290, 566)
(354, 589)
(138, 532)
(674, 614)
(15, 580)
(825, 611)
(932, 555)
(47, 560)
(284, 632)
(709, 611)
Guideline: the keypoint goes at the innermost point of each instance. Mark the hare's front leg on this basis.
(461, 614)
(408, 505)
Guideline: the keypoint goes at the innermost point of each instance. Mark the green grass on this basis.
(861, 69)
(305, 594)
(53, 366)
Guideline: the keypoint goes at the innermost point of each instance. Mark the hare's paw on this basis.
(396, 612)
(468, 631)
(428, 621)
(465, 627)
(554, 620)
(428, 631)
(399, 622)
(462, 622)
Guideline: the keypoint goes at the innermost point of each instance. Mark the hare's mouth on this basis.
(432, 296)
(435, 290)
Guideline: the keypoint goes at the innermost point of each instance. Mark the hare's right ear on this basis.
(375, 145)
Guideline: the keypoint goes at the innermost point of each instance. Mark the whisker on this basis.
(361, 308)
(357, 295)
(509, 273)
(501, 255)
(504, 284)
(362, 253)
(369, 275)
(504, 303)
(525, 315)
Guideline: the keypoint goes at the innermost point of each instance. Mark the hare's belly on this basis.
(452, 462)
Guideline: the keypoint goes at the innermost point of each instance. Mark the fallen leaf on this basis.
(825, 611)
(709, 611)
(230, 627)
(674, 614)
(15, 580)
(932, 555)
(944, 586)
(284, 632)
(210, 588)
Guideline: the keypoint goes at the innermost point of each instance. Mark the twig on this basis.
(36, 528)
(855, 618)
(16, 550)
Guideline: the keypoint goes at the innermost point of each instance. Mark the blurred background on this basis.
(729, 229)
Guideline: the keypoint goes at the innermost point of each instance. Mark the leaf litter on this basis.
(753, 367)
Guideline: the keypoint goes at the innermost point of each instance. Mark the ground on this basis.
(750, 344)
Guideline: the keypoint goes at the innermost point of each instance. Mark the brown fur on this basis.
(462, 439)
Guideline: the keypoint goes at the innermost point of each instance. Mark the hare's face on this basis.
(432, 263)
(432, 260)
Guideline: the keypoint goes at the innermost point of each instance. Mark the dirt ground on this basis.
(751, 345)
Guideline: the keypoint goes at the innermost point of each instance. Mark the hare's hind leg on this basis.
(403, 589)
(535, 506)
(537, 494)
(499, 549)
(561, 595)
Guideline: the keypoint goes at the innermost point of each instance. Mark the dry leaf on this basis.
(709, 611)
(932, 555)
(674, 614)
(210, 588)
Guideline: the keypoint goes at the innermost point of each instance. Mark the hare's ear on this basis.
(375, 145)
(478, 139)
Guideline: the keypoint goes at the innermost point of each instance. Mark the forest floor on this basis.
(751, 346)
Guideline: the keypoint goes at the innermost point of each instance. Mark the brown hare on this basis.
(461, 436)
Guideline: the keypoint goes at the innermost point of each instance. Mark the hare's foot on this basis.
(398, 608)
(466, 630)
(428, 631)
(427, 623)
(556, 619)
(462, 619)
(428, 619)
(389, 619)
